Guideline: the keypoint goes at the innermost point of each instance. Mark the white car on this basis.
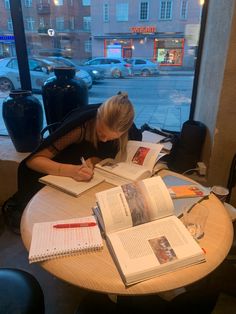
(111, 67)
(143, 67)
(40, 71)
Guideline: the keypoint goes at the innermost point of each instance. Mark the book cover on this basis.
(181, 191)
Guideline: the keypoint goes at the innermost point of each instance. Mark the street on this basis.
(162, 101)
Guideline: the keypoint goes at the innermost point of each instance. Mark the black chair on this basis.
(20, 293)
(232, 178)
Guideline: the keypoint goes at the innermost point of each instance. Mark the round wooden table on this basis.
(96, 271)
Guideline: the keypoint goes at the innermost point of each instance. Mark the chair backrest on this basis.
(232, 178)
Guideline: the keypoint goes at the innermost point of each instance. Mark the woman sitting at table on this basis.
(93, 132)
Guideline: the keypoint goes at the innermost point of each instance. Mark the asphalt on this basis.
(171, 118)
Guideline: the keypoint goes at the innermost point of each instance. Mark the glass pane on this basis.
(162, 35)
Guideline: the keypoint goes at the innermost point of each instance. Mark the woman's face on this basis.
(104, 134)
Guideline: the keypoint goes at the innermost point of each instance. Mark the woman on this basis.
(112, 122)
(94, 133)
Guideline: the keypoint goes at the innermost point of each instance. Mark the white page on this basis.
(140, 253)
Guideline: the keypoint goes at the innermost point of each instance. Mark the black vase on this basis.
(63, 93)
(23, 117)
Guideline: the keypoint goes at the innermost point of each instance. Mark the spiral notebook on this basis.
(49, 242)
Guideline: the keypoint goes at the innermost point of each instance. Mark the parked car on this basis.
(94, 73)
(40, 71)
(143, 67)
(111, 67)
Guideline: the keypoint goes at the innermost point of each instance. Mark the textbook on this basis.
(69, 185)
(64, 238)
(184, 191)
(144, 236)
(139, 163)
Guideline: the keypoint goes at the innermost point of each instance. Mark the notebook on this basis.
(69, 185)
(49, 242)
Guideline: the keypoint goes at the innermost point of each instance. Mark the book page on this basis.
(139, 163)
(152, 249)
(156, 138)
(143, 153)
(69, 185)
(131, 172)
(134, 203)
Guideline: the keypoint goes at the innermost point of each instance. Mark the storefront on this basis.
(7, 46)
(143, 42)
(169, 51)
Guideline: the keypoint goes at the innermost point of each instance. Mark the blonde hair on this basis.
(117, 113)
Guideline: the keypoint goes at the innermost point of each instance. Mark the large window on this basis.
(146, 48)
(143, 13)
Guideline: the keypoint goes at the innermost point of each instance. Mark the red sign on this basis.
(143, 29)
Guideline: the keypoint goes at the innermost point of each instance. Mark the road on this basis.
(162, 101)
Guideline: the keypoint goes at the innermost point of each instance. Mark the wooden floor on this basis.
(63, 298)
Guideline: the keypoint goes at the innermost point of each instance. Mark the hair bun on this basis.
(123, 94)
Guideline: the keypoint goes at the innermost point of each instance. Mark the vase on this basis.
(23, 116)
(62, 93)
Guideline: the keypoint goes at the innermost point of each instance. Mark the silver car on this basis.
(40, 71)
(143, 67)
(111, 67)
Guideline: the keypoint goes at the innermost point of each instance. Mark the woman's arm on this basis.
(42, 160)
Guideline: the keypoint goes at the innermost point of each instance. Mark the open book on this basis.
(144, 237)
(139, 163)
(64, 238)
(69, 185)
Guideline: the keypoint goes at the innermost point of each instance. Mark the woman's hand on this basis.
(82, 173)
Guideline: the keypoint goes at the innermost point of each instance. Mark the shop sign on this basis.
(143, 29)
(10, 37)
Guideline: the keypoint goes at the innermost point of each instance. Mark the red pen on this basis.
(75, 225)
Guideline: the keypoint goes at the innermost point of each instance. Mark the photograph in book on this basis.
(139, 163)
(134, 203)
(142, 233)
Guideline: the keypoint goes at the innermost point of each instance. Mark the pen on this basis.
(83, 162)
(75, 225)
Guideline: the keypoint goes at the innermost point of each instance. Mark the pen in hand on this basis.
(84, 162)
(75, 225)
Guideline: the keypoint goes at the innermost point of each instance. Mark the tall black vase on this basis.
(63, 93)
(23, 117)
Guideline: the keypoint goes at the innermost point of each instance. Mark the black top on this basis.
(28, 183)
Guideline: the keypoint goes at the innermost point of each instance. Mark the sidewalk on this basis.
(173, 73)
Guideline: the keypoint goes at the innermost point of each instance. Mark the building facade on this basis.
(164, 31)
(51, 26)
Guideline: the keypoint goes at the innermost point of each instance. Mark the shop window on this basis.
(170, 52)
